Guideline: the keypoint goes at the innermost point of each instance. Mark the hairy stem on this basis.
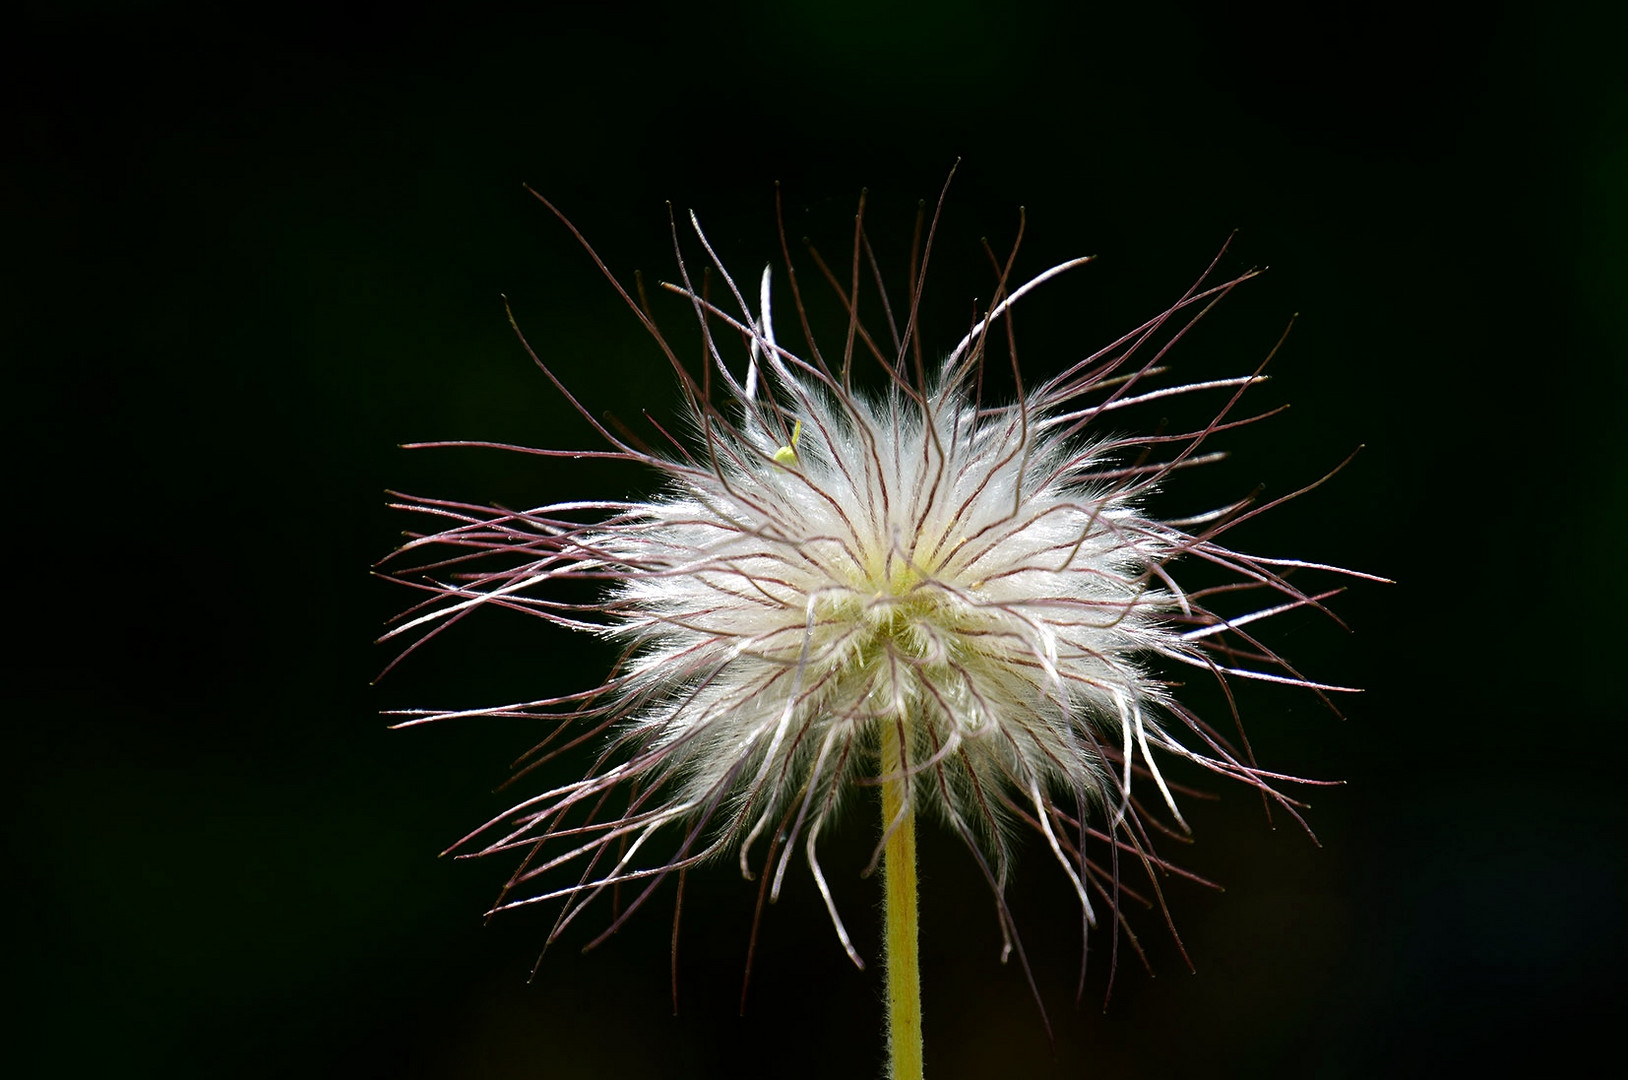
(899, 877)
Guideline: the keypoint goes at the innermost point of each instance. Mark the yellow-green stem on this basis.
(899, 878)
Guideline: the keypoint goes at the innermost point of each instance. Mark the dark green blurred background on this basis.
(249, 253)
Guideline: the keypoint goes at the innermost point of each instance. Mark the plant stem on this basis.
(899, 878)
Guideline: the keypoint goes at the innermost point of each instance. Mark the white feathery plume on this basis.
(823, 561)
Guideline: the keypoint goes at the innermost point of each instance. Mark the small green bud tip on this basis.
(787, 455)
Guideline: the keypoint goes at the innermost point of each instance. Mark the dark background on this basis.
(249, 253)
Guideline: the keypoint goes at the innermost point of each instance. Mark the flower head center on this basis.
(902, 610)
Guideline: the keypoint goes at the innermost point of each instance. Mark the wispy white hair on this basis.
(825, 560)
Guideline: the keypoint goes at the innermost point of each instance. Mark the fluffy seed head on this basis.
(825, 560)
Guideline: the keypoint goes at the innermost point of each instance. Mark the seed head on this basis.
(825, 560)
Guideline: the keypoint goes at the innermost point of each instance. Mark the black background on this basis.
(249, 252)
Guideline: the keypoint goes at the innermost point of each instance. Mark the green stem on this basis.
(899, 878)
